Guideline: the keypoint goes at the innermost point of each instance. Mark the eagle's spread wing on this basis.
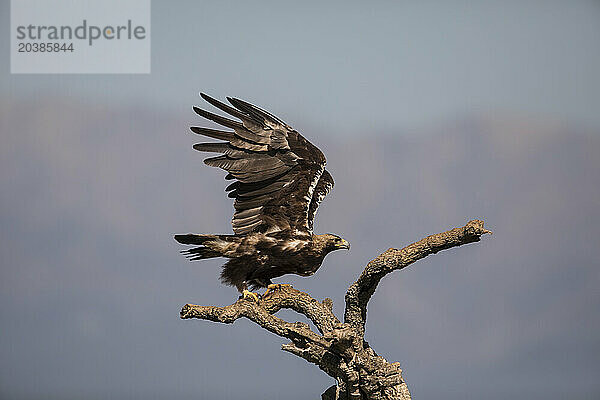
(280, 176)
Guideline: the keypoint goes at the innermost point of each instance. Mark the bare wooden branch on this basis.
(340, 350)
(260, 313)
(321, 314)
(360, 292)
(326, 360)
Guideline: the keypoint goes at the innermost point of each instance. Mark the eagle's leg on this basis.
(242, 287)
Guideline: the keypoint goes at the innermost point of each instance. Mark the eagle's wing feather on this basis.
(276, 170)
(324, 186)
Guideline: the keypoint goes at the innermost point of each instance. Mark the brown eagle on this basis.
(279, 182)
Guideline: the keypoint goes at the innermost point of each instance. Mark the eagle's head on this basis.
(333, 242)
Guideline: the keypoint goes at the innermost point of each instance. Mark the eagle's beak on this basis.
(345, 245)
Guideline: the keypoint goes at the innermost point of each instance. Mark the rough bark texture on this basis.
(339, 349)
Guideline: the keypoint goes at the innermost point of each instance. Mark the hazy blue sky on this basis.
(352, 66)
(429, 113)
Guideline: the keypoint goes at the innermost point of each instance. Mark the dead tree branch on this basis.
(339, 348)
(360, 292)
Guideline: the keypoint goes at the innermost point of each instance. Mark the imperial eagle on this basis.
(279, 180)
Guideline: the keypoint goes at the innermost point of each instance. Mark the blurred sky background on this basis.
(430, 114)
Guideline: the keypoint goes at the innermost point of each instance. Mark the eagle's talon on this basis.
(282, 285)
(247, 295)
(276, 286)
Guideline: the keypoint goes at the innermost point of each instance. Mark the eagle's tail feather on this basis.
(200, 253)
(209, 246)
(192, 238)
